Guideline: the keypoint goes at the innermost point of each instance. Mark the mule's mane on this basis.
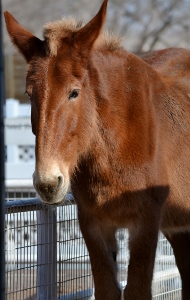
(55, 31)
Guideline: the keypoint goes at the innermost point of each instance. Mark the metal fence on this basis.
(46, 257)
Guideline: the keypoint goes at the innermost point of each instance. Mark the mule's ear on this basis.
(25, 41)
(87, 35)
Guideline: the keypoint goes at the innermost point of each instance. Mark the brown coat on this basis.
(116, 128)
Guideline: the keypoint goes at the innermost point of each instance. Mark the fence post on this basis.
(2, 167)
(47, 253)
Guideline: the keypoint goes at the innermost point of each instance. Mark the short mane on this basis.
(55, 31)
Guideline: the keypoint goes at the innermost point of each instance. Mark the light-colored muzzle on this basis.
(52, 185)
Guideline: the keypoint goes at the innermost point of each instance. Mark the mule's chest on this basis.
(121, 208)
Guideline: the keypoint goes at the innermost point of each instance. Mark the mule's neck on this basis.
(123, 86)
(124, 146)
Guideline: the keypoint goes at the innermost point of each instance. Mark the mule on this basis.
(115, 128)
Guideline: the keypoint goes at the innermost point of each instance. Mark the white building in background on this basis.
(19, 141)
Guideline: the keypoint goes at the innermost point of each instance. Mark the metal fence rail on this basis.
(46, 257)
(44, 250)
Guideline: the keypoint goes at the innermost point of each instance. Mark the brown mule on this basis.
(116, 128)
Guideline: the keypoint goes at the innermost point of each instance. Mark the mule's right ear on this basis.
(25, 41)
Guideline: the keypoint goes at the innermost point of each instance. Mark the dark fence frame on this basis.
(2, 167)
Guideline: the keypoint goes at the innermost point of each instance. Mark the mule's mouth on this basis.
(55, 198)
(50, 201)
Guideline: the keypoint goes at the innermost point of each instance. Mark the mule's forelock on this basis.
(54, 32)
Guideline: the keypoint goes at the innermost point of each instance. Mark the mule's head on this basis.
(62, 109)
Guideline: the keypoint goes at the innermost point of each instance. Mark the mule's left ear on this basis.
(87, 35)
(25, 41)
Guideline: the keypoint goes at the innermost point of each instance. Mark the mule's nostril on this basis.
(60, 181)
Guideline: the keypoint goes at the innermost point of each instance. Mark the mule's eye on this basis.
(74, 94)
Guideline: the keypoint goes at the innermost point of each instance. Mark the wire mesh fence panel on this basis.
(30, 268)
(27, 249)
(74, 271)
(167, 282)
(21, 248)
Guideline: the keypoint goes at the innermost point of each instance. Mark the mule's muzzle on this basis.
(51, 190)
